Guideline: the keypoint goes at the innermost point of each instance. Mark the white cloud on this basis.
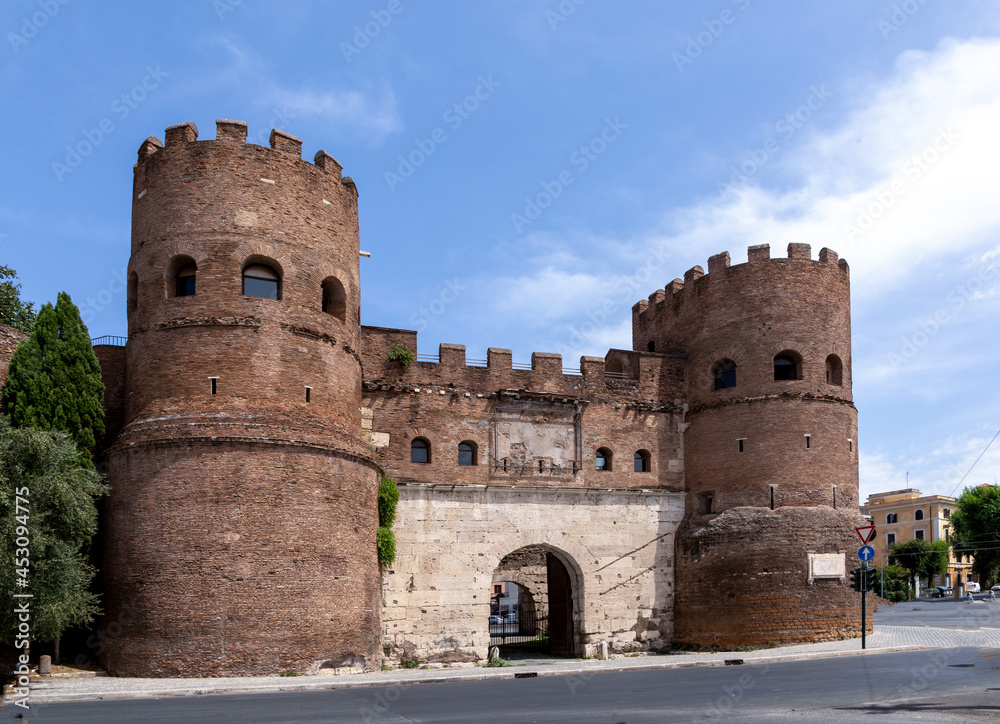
(367, 115)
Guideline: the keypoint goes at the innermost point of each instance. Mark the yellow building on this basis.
(900, 515)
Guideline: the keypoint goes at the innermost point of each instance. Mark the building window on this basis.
(614, 366)
(541, 466)
(834, 370)
(891, 518)
(918, 534)
(890, 538)
(467, 453)
(651, 346)
(918, 515)
(603, 459)
(184, 281)
(215, 384)
(724, 374)
(309, 394)
(808, 441)
(260, 280)
(947, 514)
(704, 503)
(334, 298)
(642, 461)
(787, 366)
(740, 444)
(420, 451)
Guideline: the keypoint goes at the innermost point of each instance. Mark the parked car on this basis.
(972, 587)
(996, 588)
(942, 592)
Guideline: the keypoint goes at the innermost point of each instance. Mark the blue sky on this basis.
(831, 110)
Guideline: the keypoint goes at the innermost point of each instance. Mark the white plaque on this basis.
(826, 565)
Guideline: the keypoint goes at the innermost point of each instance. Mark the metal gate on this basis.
(520, 633)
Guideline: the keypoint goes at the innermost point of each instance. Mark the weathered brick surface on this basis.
(240, 532)
(9, 339)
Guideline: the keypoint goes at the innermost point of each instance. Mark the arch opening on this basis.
(834, 371)
(724, 374)
(335, 298)
(534, 603)
(787, 366)
(262, 281)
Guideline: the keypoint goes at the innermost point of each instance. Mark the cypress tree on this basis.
(54, 379)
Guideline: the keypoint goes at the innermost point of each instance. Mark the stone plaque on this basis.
(826, 565)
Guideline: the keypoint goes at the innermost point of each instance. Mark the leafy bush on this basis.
(388, 497)
(386, 541)
(401, 356)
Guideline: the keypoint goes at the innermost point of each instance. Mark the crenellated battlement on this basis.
(235, 132)
(624, 372)
(695, 279)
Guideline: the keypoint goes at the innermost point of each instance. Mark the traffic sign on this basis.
(866, 553)
(866, 533)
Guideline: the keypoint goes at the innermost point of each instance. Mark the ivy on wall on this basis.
(388, 497)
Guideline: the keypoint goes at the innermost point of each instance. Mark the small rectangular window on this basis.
(308, 393)
(772, 497)
(808, 441)
(214, 385)
(850, 446)
(740, 444)
(890, 538)
(918, 534)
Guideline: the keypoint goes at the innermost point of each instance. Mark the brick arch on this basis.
(705, 377)
(248, 250)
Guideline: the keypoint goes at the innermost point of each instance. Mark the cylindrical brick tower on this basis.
(240, 531)
(770, 447)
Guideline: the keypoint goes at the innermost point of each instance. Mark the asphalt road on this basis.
(932, 686)
(939, 613)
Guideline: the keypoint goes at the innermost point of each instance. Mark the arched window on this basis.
(420, 451)
(651, 346)
(603, 459)
(334, 298)
(834, 370)
(133, 291)
(890, 518)
(614, 366)
(918, 515)
(184, 281)
(467, 453)
(260, 280)
(787, 366)
(642, 461)
(724, 373)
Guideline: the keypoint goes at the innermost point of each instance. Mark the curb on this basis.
(54, 697)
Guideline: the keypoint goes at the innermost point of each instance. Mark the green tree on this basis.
(388, 497)
(975, 528)
(54, 380)
(920, 558)
(893, 583)
(14, 312)
(47, 500)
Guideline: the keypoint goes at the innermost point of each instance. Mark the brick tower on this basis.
(770, 447)
(240, 533)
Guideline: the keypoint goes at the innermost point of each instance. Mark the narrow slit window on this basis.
(739, 444)
(772, 497)
(541, 466)
(808, 441)
(214, 381)
(308, 393)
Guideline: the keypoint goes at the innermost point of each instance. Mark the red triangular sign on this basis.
(865, 533)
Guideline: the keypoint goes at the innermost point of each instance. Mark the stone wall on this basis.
(618, 546)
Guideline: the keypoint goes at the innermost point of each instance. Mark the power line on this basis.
(974, 464)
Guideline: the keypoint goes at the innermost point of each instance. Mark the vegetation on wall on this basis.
(388, 497)
(402, 356)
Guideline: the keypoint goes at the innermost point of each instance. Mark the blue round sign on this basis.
(866, 553)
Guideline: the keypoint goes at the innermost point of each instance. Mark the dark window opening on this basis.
(334, 298)
(890, 538)
(614, 366)
(918, 534)
(947, 513)
(918, 515)
(724, 373)
(704, 503)
(772, 497)
(651, 346)
(642, 460)
(308, 393)
(467, 454)
(260, 280)
(787, 366)
(214, 387)
(541, 466)
(740, 445)
(603, 459)
(184, 283)
(850, 446)
(890, 518)
(834, 370)
(420, 451)
(808, 442)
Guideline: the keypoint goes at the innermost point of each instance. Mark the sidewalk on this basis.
(885, 639)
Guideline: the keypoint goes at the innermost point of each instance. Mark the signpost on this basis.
(863, 580)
